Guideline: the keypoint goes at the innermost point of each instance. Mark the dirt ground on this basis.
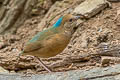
(102, 28)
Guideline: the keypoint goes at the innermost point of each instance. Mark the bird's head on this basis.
(66, 22)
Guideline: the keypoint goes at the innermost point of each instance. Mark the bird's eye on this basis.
(70, 20)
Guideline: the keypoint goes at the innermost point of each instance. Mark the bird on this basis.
(52, 41)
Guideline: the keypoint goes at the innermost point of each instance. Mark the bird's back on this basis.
(42, 35)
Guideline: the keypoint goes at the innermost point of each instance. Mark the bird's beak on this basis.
(77, 17)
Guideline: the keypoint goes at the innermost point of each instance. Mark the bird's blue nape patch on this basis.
(57, 24)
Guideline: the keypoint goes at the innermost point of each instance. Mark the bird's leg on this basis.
(44, 66)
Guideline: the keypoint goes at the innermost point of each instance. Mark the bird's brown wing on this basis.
(33, 46)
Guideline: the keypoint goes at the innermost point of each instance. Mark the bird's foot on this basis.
(43, 65)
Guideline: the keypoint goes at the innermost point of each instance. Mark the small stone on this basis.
(98, 65)
(3, 45)
(105, 61)
(2, 70)
(12, 72)
(84, 42)
(90, 7)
